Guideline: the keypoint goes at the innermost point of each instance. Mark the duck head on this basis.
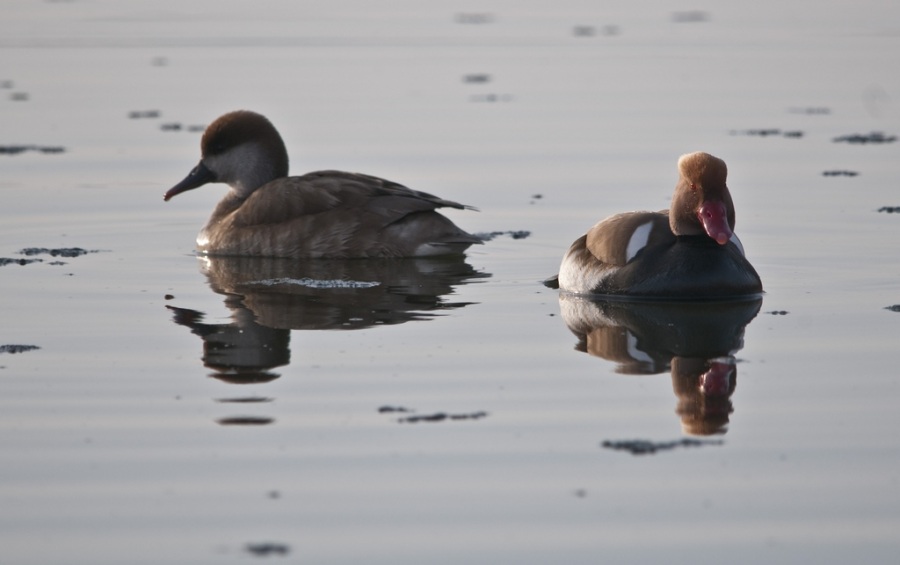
(702, 204)
(242, 149)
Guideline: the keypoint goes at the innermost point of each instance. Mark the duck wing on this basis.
(291, 198)
(618, 239)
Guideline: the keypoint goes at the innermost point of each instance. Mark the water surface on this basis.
(184, 410)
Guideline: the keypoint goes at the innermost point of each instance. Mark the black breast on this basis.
(691, 267)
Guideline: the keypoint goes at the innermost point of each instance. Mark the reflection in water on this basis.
(269, 297)
(695, 341)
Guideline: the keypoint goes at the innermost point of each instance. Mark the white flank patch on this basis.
(636, 353)
(317, 283)
(638, 240)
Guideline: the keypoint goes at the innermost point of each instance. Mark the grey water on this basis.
(159, 407)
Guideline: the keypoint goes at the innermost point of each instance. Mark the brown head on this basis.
(702, 203)
(242, 149)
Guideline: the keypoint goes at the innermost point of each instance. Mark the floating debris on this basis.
(17, 348)
(172, 126)
(245, 399)
(759, 132)
(491, 98)
(196, 128)
(646, 447)
(143, 114)
(890, 209)
(584, 31)
(16, 149)
(159, 61)
(4, 261)
(894, 308)
(863, 138)
(6, 83)
(477, 78)
(690, 16)
(58, 252)
(474, 18)
(441, 416)
(515, 234)
(392, 409)
(777, 312)
(318, 283)
(245, 421)
(266, 549)
(766, 132)
(19, 96)
(839, 173)
(811, 110)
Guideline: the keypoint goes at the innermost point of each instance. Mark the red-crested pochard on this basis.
(324, 214)
(689, 251)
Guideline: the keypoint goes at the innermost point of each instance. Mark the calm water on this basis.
(180, 410)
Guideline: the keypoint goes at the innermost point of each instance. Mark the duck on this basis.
(689, 251)
(320, 215)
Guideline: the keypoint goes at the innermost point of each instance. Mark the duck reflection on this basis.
(269, 297)
(695, 341)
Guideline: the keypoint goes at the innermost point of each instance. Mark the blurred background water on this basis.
(156, 407)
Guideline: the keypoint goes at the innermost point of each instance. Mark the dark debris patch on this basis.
(839, 173)
(477, 78)
(811, 110)
(515, 234)
(894, 308)
(777, 312)
(441, 417)
(865, 138)
(491, 97)
(690, 16)
(267, 549)
(392, 409)
(584, 31)
(890, 209)
(245, 421)
(768, 132)
(17, 149)
(58, 252)
(646, 447)
(17, 348)
(143, 114)
(7, 261)
(474, 18)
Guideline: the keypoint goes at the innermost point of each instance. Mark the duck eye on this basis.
(693, 186)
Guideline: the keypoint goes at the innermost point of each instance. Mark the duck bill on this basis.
(717, 380)
(199, 176)
(714, 217)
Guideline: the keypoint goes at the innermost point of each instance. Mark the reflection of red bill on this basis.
(717, 380)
